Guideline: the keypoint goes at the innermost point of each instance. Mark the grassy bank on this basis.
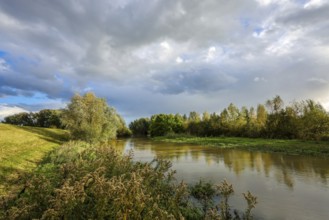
(21, 148)
(82, 181)
(291, 147)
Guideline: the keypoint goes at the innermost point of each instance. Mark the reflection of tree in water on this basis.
(283, 167)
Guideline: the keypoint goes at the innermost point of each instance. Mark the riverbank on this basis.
(22, 148)
(78, 180)
(290, 147)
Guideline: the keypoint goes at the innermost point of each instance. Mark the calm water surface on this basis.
(287, 187)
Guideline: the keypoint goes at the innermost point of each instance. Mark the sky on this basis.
(162, 56)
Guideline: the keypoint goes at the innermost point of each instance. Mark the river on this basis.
(287, 187)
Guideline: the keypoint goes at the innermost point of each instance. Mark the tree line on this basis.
(90, 118)
(301, 120)
(87, 117)
(47, 118)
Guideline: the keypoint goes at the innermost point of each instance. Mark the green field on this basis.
(21, 148)
(291, 147)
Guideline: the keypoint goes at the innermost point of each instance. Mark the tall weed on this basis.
(83, 181)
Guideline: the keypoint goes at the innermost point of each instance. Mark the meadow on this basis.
(21, 149)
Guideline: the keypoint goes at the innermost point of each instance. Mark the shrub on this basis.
(83, 181)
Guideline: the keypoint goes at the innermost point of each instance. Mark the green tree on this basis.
(140, 127)
(90, 119)
(23, 119)
(315, 121)
(194, 126)
(275, 105)
(231, 120)
(123, 130)
(194, 116)
(261, 116)
(163, 124)
(224, 122)
(48, 118)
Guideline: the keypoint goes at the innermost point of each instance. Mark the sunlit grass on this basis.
(21, 148)
(291, 147)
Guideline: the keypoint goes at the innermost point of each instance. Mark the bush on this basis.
(80, 181)
(83, 181)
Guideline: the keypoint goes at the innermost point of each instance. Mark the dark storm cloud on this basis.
(146, 56)
(194, 81)
(305, 16)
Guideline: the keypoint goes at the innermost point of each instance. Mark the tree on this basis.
(163, 124)
(224, 122)
(122, 130)
(261, 118)
(275, 105)
(140, 127)
(276, 114)
(315, 121)
(23, 119)
(48, 118)
(90, 119)
(194, 125)
(194, 116)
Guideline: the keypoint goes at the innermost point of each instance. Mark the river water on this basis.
(287, 187)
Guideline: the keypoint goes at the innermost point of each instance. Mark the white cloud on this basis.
(285, 44)
(314, 4)
(269, 2)
(259, 79)
(211, 54)
(6, 110)
(317, 80)
(166, 52)
(3, 65)
(179, 60)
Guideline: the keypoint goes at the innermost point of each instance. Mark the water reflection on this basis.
(284, 168)
(287, 187)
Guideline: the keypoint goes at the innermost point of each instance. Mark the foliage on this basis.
(49, 118)
(251, 203)
(305, 120)
(223, 209)
(163, 124)
(122, 130)
(83, 181)
(46, 118)
(86, 182)
(204, 193)
(89, 118)
(140, 127)
(225, 190)
(23, 119)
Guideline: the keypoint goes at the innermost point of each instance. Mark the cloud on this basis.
(193, 81)
(148, 55)
(6, 110)
(314, 4)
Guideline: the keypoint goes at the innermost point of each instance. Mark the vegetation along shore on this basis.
(86, 178)
(290, 147)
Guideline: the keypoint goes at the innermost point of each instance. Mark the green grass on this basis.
(21, 148)
(291, 147)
